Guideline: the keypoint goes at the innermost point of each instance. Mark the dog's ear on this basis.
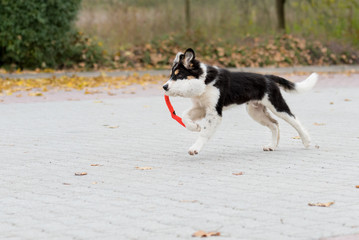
(189, 55)
(178, 58)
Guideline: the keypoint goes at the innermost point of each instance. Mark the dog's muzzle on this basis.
(165, 87)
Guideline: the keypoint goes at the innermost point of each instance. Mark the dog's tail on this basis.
(298, 87)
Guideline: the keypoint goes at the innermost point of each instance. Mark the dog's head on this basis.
(187, 76)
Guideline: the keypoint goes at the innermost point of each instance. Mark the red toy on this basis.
(172, 111)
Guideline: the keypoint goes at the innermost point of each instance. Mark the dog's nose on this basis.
(165, 87)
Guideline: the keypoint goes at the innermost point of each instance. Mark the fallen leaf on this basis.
(144, 168)
(201, 233)
(296, 137)
(94, 182)
(80, 173)
(239, 173)
(321, 204)
(357, 186)
(317, 146)
(98, 102)
(347, 100)
(331, 103)
(113, 126)
(95, 165)
(318, 124)
(66, 183)
(37, 94)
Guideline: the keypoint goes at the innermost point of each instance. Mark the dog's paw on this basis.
(268, 148)
(192, 152)
(306, 143)
(194, 127)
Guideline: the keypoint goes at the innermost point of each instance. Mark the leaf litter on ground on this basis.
(90, 85)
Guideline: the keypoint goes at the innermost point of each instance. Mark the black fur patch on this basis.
(242, 87)
(211, 74)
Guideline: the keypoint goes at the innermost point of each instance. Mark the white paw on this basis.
(306, 142)
(194, 150)
(194, 127)
(268, 148)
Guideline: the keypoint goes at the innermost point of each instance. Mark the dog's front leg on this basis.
(191, 115)
(212, 121)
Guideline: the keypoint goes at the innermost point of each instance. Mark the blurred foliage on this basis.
(279, 51)
(40, 33)
(148, 33)
(122, 23)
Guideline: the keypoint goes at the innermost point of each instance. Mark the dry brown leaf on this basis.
(347, 100)
(357, 186)
(319, 124)
(296, 137)
(331, 103)
(113, 126)
(80, 173)
(144, 168)
(66, 183)
(95, 165)
(321, 204)
(238, 173)
(201, 233)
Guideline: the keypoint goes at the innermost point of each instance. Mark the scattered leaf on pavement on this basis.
(238, 173)
(201, 233)
(347, 100)
(331, 103)
(296, 137)
(321, 204)
(113, 126)
(318, 124)
(317, 146)
(144, 168)
(66, 183)
(357, 186)
(95, 165)
(80, 173)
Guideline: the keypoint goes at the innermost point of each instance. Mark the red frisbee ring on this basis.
(172, 111)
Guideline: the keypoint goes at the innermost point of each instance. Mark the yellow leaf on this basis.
(321, 204)
(144, 168)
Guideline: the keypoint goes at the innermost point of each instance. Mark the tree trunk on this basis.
(280, 14)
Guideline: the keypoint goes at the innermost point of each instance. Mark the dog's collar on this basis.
(172, 111)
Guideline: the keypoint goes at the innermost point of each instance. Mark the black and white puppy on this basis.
(212, 89)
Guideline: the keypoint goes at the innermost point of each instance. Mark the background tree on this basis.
(280, 14)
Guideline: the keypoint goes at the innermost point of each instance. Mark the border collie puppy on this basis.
(212, 89)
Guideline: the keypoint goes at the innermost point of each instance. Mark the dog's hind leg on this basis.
(280, 108)
(260, 114)
(191, 115)
(211, 122)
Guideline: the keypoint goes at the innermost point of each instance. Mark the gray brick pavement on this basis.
(42, 145)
